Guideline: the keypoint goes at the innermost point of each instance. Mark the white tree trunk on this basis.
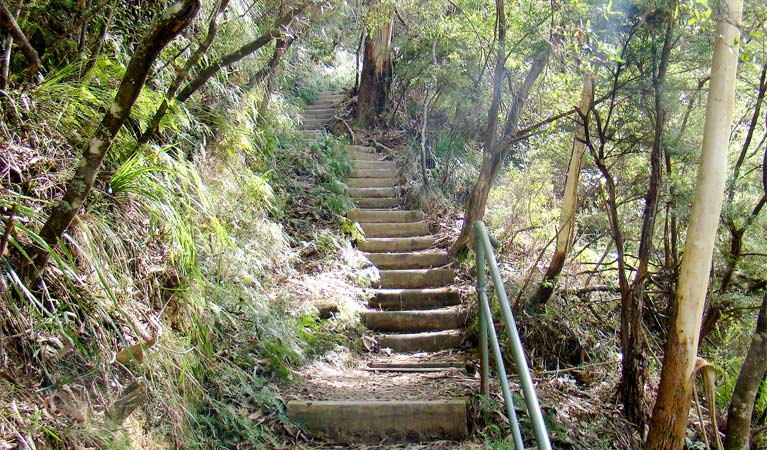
(669, 420)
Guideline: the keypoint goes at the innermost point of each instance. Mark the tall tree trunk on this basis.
(672, 406)
(566, 224)
(375, 80)
(746, 387)
(634, 363)
(494, 156)
(182, 75)
(175, 19)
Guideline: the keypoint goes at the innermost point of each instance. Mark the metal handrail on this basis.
(484, 251)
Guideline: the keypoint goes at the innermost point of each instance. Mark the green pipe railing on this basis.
(489, 339)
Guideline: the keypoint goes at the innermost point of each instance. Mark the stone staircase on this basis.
(413, 310)
(320, 113)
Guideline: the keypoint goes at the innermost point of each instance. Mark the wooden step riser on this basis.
(384, 165)
(361, 215)
(373, 203)
(414, 260)
(422, 342)
(395, 244)
(376, 230)
(414, 299)
(414, 279)
(372, 192)
(372, 182)
(351, 422)
(375, 173)
(414, 321)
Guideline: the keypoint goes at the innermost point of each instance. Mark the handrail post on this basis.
(531, 398)
(502, 377)
(484, 360)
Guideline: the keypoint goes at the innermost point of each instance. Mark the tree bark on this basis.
(246, 50)
(746, 387)
(424, 123)
(566, 224)
(495, 151)
(175, 19)
(281, 46)
(634, 363)
(96, 52)
(8, 22)
(72, 28)
(375, 80)
(5, 64)
(669, 419)
(183, 74)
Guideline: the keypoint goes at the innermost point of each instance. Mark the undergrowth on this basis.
(180, 253)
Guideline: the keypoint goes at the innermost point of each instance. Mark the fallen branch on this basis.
(348, 129)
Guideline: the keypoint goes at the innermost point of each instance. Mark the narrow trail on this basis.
(415, 386)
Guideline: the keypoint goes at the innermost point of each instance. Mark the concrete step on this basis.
(361, 421)
(318, 109)
(374, 215)
(375, 173)
(410, 260)
(362, 164)
(399, 299)
(414, 278)
(314, 120)
(313, 125)
(415, 321)
(373, 203)
(367, 192)
(360, 148)
(395, 229)
(324, 118)
(331, 95)
(396, 244)
(432, 341)
(372, 182)
(363, 156)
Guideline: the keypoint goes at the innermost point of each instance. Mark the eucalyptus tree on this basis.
(669, 420)
(376, 76)
(566, 225)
